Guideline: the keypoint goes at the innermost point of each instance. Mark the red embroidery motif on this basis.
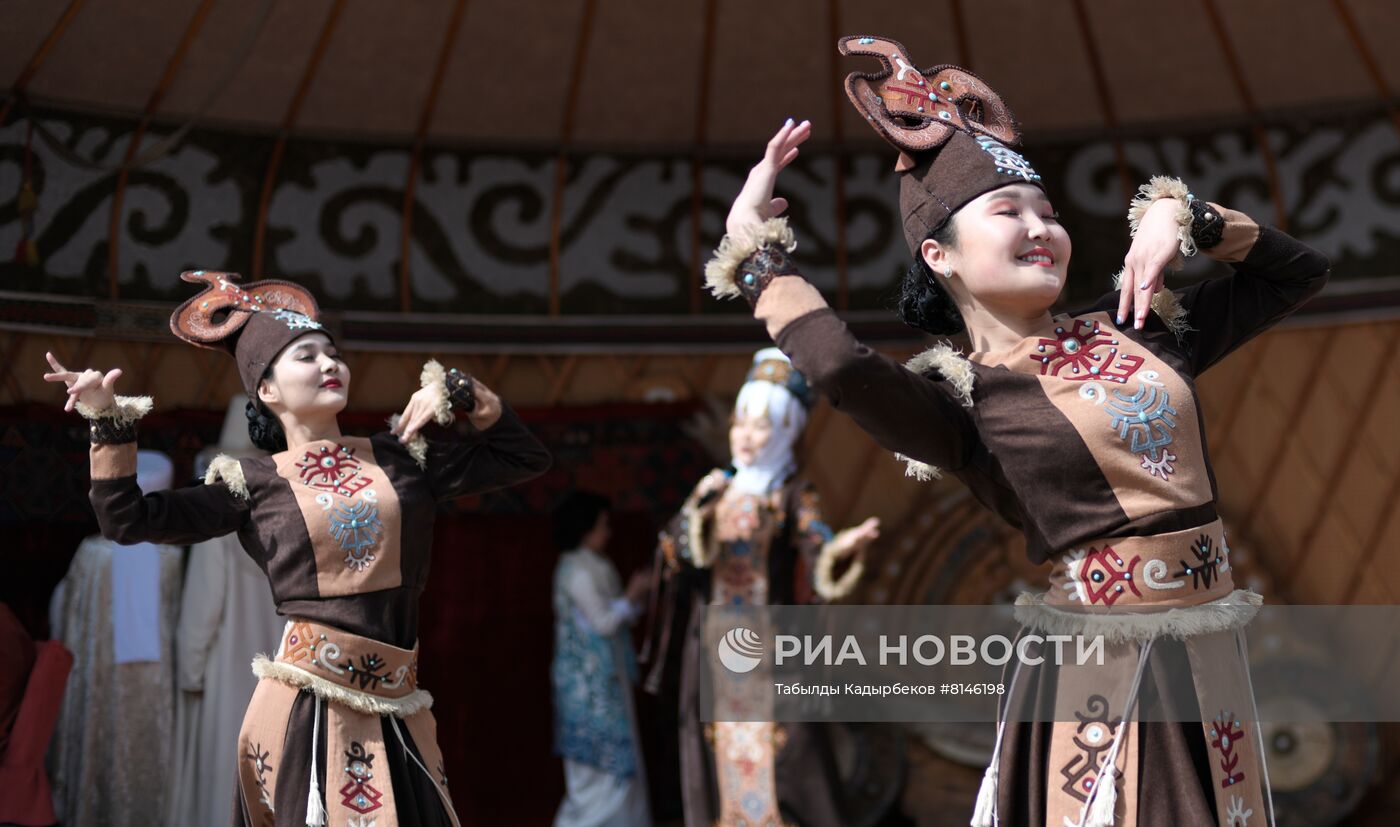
(908, 95)
(336, 470)
(358, 794)
(1225, 733)
(1100, 575)
(1076, 354)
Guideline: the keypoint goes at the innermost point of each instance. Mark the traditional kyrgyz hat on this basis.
(953, 133)
(773, 366)
(253, 322)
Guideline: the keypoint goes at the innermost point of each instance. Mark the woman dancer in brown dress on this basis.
(1079, 428)
(338, 731)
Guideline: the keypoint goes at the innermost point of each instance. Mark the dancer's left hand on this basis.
(865, 534)
(422, 407)
(1144, 268)
(755, 202)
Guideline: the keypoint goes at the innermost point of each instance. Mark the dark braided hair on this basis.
(264, 429)
(924, 302)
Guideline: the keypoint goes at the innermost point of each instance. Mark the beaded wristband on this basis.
(107, 431)
(735, 260)
(461, 389)
(115, 424)
(759, 269)
(1207, 224)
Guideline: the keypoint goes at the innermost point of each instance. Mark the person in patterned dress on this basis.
(1081, 429)
(338, 730)
(753, 534)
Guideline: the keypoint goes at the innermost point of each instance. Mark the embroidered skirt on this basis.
(338, 733)
(1167, 608)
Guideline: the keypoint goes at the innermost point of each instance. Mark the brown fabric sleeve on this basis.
(809, 533)
(1237, 238)
(1275, 276)
(787, 299)
(503, 455)
(179, 517)
(904, 411)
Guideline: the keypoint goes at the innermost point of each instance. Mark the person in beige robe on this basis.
(115, 611)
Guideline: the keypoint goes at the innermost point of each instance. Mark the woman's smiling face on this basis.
(1011, 251)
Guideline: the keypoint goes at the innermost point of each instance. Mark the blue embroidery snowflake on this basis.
(1146, 419)
(356, 526)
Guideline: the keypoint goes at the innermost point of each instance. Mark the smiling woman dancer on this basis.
(338, 731)
(1081, 429)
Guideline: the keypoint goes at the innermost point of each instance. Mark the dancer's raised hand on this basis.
(755, 202)
(93, 388)
(1154, 248)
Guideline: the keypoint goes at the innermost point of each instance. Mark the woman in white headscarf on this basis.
(753, 534)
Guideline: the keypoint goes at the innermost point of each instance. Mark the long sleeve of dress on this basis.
(603, 614)
(503, 455)
(902, 410)
(821, 548)
(1274, 275)
(178, 517)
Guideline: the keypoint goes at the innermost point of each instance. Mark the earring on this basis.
(948, 271)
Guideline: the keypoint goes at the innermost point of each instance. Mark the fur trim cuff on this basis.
(1167, 306)
(732, 250)
(921, 471)
(229, 471)
(416, 447)
(695, 535)
(949, 363)
(124, 409)
(415, 701)
(1164, 186)
(957, 371)
(1233, 611)
(835, 549)
(434, 377)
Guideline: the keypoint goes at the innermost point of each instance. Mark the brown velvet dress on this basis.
(344, 532)
(1087, 437)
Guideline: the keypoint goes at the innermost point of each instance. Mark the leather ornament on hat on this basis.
(953, 132)
(253, 321)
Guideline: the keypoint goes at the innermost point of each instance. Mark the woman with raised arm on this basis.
(1079, 428)
(338, 731)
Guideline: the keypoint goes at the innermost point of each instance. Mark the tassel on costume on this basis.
(1106, 800)
(985, 813)
(315, 810)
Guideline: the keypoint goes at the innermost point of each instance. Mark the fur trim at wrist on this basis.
(732, 250)
(124, 409)
(1167, 306)
(1164, 186)
(416, 447)
(229, 471)
(835, 549)
(435, 377)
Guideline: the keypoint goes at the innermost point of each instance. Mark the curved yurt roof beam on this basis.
(289, 120)
(167, 77)
(415, 162)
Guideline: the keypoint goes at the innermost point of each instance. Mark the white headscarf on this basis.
(787, 416)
